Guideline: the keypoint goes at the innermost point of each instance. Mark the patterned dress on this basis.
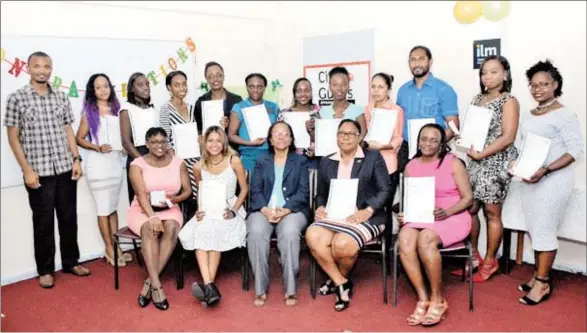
(489, 177)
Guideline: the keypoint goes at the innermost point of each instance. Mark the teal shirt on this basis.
(352, 112)
(277, 186)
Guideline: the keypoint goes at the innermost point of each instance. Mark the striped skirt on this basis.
(362, 233)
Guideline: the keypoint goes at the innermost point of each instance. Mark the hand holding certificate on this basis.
(475, 128)
(212, 198)
(342, 198)
(212, 113)
(113, 129)
(419, 199)
(532, 157)
(325, 136)
(297, 121)
(185, 140)
(257, 121)
(414, 127)
(381, 126)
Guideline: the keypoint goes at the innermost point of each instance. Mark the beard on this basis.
(420, 71)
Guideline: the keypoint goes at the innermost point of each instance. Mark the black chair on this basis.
(462, 250)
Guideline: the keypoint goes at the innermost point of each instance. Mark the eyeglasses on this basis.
(158, 143)
(347, 134)
(217, 77)
(281, 134)
(541, 86)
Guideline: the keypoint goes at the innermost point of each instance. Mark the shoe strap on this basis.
(547, 281)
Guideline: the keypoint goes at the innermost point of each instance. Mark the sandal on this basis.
(417, 316)
(345, 289)
(477, 261)
(291, 300)
(110, 261)
(327, 288)
(526, 287)
(436, 313)
(260, 300)
(527, 301)
(486, 271)
(163, 304)
(145, 295)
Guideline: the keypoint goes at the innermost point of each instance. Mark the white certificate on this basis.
(158, 198)
(475, 128)
(257, 121)
(212, 198)
(113, 138)
(212, 113)
(382, 126)
(419, 199)
(325, 136)
(414, 127)
(185, 140)
(141, 121)
(342, 198)
(532, 157)
(297, 121)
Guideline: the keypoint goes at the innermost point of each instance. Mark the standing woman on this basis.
(488, 169)
(177, 112)
(545, 196)
(380, 89)
(214, 74)
(104, 166)
(250, 148)
(138, 92)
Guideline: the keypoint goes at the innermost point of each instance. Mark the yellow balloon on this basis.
(467, 12)
(495, 10)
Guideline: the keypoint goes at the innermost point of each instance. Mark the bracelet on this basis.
(152, 217)
(547, 170)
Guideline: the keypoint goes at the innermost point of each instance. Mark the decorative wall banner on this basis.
(360, 75)
(485, 48)
(155, 76)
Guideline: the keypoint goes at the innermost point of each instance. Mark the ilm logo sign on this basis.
(485, 48)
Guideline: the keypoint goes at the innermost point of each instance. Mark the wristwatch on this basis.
(77, 158)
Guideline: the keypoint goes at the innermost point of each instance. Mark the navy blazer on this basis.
(374, 183)
(295, 184)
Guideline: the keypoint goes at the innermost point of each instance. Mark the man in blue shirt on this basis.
(425, 96)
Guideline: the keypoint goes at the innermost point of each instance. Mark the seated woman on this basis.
(419, 242)
(336, 244)
(209, 236)
(279, 202)
(157, 224)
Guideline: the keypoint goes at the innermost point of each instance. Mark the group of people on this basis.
(39, 122)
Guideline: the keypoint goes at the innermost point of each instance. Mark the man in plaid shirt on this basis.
(38, 120)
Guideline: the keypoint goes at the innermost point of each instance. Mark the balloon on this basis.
(467, 12)
(495, 10)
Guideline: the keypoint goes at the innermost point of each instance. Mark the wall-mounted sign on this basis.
(485, 48)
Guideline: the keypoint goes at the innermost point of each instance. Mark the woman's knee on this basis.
(170, 227)
(315, 237)
(475, 207)
(344, 246)
(428, 240)
(408, 240)
(147, 231)
(493, 213)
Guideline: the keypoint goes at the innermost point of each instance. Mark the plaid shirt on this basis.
(41, 121)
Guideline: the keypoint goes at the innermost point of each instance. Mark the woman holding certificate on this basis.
(161, 182)
(488, 167)
(279, 203)
(219, 225)
(546, 194)
(250, 119)
(449, 223)
(387, 118)
(133, 129)
(104, 166)
(361, 192)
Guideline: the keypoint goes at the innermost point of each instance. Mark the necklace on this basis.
(541, 109)
(212, 163)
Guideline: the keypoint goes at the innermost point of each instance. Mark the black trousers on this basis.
(131, 191)
(403, 156)
(56, 194)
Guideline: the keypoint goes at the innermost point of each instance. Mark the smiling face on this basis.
(141, 88)
(419, 63)
(303, 93)
(40, 69)
(542, 87)
(102, 89)
(429, 142)
(339, 86)
(256, 88)
(347, 137)
(493, 75)
(178, 86)
(215, 77)
(157, 145)
(214, 144)
(280, 137)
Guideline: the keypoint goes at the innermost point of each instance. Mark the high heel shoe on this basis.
(110, 261)
(327, 288)
(525, 287)
(145, 296)
(212, 293)
(527, 301)
(341, 304)
(436, 312)
(161, 305)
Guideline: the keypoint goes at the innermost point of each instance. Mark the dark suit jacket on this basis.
(295, 184)
(374, 183)
(231, 99)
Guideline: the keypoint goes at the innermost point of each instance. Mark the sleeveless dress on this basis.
(456, 227)
(168, 179)
(104, 174)
(489, 177)
(214, 234)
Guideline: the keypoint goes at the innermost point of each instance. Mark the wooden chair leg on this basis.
(520, 248)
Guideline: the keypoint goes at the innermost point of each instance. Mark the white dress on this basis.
(214, 234)
(104, 175)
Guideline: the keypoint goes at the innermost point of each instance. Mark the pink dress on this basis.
(456, 227)
(166, 179)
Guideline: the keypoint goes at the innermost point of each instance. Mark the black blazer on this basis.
(295, 183)
(231, 99)
(374, 183)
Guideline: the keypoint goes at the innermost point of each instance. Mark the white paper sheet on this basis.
(114, 139)
(382, 126)
(532, 156)
(141, 121)
(212, 113)
(325, 136)
(342, 198)
(475, 128)
(257, 121)
(212, 198)
(185, 140)
(419, 199)
(297, 121)
(414, 127)
(454, 127)
(158, 198)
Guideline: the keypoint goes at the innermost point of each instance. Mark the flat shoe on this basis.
(46, 281)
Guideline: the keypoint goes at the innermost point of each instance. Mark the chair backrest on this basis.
(313, 182)
(247, 203)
